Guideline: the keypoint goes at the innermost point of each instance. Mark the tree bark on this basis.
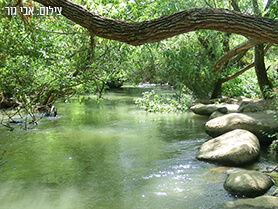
(217, 88)
(261, 73)
(236, 50)
(138, 33)
(264, 83)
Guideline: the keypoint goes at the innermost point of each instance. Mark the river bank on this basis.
(240, 130)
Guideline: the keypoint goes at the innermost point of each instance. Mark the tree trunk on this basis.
(265, 85)
(217, 88)
(138, 33)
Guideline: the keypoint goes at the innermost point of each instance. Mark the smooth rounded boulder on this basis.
(215, 115)
(263, 202)
(248, 183)
(257, 123)
(235, 148)
(254, 106)
(202, 109)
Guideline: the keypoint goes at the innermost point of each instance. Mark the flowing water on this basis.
(110, 155)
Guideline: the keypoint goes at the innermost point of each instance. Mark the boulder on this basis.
(253, 106)
(263, 202)
(253, 122)
(215, 115)
(234, 148)
(247, 183)
(202, 109)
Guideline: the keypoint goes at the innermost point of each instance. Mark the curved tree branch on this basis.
(138, 33)
(218, 84)
(233, 52)
(241, 71)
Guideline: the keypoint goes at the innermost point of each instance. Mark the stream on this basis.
(110, 155)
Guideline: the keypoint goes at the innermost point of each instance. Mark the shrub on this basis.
(152, 102)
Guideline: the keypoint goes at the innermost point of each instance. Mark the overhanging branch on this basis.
(138, 33)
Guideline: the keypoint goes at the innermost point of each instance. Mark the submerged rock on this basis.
(263, 202)
(253, 122)
(216, 174)
(234, 148)
(202, 109)
(248, 183)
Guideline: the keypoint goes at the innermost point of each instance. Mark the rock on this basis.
(263, 202)
(232, 101)
(253, 122)
(234, 148)
(215, 114)
(223, 110)
(253, 106)
(202, 109)
(247, 183)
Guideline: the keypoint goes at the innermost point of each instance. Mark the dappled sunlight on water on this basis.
(109, 155)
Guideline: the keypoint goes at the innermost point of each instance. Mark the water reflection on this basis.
(108, 155)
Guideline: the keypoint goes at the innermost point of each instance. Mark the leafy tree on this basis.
(174, 24)
(44, 58)
(259, 63)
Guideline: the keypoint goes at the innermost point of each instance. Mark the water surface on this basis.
(109, 155)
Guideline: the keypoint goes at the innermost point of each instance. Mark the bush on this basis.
(244, 85)
(152, 102)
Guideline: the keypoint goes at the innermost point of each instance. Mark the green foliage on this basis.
(186, 59)
(46, 58)
(244, 85)
(136, 10)
(273, 146)
(273, 176)
(152, 102)
(272, 11)
(189, 59)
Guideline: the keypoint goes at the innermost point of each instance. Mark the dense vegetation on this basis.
(47, 57)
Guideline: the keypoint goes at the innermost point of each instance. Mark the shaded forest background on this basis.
(44, 58)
